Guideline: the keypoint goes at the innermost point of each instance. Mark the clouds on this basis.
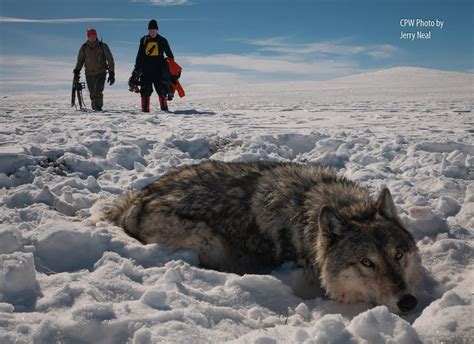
(23, 72)
(20, 73)
(340, 47)
(267, 59)
(165, 3)
(272, 64)
(66, 20)
(271, 59)
(28, 73)
(83, 20)
(281, 56)
(193, 77)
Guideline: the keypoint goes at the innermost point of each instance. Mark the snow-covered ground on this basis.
(66, 279)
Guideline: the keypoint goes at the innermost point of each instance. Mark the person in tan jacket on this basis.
(98, 59)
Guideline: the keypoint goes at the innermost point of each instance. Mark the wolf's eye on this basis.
(399, 255)
(368, 263)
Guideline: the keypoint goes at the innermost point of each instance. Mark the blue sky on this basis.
(230, 41)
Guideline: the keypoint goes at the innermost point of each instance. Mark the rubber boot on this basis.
(99, 102)
(146, 104)
(163, 103)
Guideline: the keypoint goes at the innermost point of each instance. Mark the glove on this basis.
(76, 72)
(111, 79)
(134, 81)
(133, 85)
(136, 74)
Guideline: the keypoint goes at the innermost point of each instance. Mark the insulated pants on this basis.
(159, 79)
(95, 84)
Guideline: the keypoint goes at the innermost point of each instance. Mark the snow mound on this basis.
(12, 158)
(380, 326)
(66, 250)
(125, 155)
(77, 163)
(199, 148)
(453, 314)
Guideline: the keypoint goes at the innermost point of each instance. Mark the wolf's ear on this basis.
(330, 224)
(386, 206)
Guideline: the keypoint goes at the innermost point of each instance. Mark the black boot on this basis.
(163, 103)
(99, 101)
(146, 104)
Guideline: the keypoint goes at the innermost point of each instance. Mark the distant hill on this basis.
(409, 77)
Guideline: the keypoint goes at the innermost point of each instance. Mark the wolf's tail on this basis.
(124, 212)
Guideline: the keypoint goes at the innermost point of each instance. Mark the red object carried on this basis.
(175, 71)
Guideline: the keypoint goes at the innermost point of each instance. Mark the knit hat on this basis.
(153, 25)
(91, 32)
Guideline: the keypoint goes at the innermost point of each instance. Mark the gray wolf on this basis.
(246, 217)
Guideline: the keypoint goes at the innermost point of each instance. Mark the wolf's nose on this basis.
(407, 303)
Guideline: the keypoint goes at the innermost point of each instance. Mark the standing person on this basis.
(153, 68)
(97, 59)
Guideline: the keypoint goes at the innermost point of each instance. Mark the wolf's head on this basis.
(368, 256)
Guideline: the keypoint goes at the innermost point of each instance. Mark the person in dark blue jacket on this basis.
(152, 67)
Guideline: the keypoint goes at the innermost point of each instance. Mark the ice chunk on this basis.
(8, 241)
(298, 143)
(125, 155)
(465, 217)
(264, 340)
(197, 149)
(301, 335)
(97, 146)
(445, 147)
(334, 160)
(332, 329)
(6, 307)
(448, 206)
(303, 310)
(450, 299)
(469, 193)
(142, 336)
(18, 284)
(94, 312)
(69, 250)
(77, 163)
(423, 221)
(156, 299)
(12, 158)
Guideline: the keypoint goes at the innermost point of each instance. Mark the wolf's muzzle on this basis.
(407, 303)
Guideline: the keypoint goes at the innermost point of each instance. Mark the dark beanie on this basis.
(153, 25)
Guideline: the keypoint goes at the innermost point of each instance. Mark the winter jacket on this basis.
(150, 56)
(97, 58)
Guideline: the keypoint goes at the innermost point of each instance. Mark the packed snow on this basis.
(67, 278)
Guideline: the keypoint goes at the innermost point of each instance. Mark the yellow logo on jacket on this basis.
(152, 49)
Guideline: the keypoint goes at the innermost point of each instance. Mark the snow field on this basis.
(67, 278)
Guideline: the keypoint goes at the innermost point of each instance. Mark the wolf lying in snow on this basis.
(245, 217)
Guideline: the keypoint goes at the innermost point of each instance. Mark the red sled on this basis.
(175, 71)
